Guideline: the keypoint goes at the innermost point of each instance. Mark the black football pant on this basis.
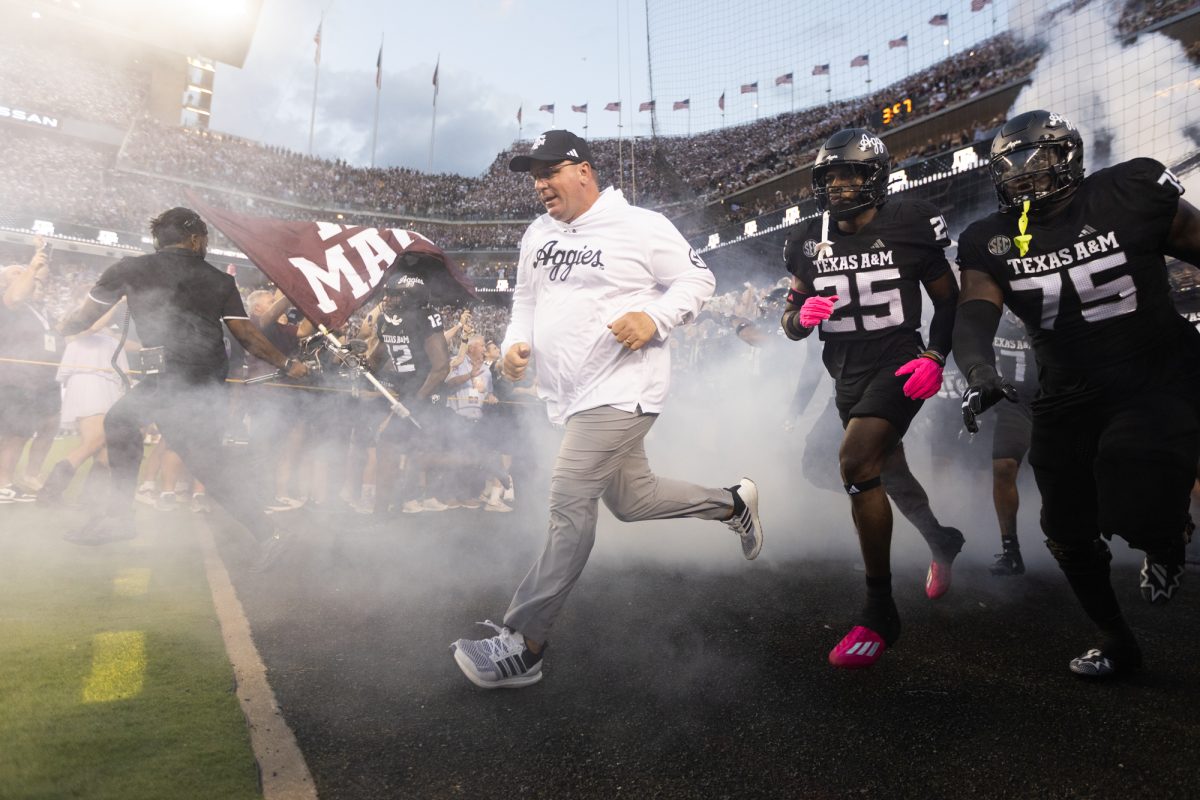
(1124, 470)
(191, 418)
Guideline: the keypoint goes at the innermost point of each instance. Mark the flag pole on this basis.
(378, 91)
(312, 117)
(433, 122)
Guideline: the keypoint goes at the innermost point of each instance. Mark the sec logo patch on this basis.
(810, 248)
(999, 245)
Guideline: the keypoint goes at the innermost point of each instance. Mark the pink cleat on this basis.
(859, 648)
(937, 580)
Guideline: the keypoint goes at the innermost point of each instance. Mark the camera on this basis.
(293, 316)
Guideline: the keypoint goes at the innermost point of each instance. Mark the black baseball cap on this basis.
(552, 147)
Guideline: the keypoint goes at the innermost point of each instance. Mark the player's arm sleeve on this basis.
(1183, 241)
(943, 293)
(978, 316)
(520, 321)
(673, 263)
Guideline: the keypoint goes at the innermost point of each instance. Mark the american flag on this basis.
(901, 42)
(317, 42)
(784, 80)
(681, 104)
(548, 108)
(821, 69)
(519, 114)
(646, 106)
(861, 61)
(379, 69)
(580, 109)
(939, 19)
(436, 67)
(613, 106)
(979, 5)
(721, 101)
(750, 88)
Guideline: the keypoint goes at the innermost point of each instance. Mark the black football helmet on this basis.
(866, 154)
(1036, 156)
(405, 290)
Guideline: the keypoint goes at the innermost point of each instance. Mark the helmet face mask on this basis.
(851, 173)
(1036, 157)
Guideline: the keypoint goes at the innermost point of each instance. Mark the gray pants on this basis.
(601, 456)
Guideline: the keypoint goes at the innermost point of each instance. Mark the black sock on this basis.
(739, 505)
(880, 613)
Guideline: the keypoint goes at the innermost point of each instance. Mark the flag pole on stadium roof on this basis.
(378, 91)
(629, 82)
(620, 112)
(312, 117)
(433, 122)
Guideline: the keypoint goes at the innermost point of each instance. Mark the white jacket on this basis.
(575, 278)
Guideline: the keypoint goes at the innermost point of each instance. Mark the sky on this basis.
(497, 56)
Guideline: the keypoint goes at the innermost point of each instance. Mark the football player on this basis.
(409, 353)
(1010, 438)
(859, 280)
(1115, 433)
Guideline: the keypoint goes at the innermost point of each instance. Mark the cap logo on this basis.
(539, 141)
(572, 153)
(870, 143)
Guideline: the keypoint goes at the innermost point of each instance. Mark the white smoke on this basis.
(1128, 100)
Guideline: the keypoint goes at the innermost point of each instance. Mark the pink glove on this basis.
(926, 378)
(816, 310)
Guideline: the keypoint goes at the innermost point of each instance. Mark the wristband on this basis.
(795, 298)
(935, 356)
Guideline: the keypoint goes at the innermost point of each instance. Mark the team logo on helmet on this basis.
(871, 143)
(810, 248)
(999, 245)
(404, 281)
(1059, 119)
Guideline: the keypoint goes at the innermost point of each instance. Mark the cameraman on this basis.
(178, 301)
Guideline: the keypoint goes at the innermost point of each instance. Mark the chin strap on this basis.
(1022, 241)
(825, 246)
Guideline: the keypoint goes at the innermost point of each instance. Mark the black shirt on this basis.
(876, 273)
(1015, 359)
(1092, 289)
(402, 332)
(178, 301)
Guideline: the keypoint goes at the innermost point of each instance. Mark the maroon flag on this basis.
(901, 42)
(721, 102)
(317, 42)
(436, 85)
(580, 109)
(749, 88)
(861, 61)
(379, 69)
(821, 69)
(614, 106)
(939, 19)
(979, 5)
(646, 106)
(519, 108)
(329, 270)
(679, 105)
(548, 108)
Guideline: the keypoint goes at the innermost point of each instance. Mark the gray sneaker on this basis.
(500, 662)
(272, 550)
(746, 523)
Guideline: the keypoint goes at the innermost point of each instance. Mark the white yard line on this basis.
(285, 776)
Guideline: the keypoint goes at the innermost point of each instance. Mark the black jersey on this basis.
(1015, 359)
(178, 301)
(402, 333)
(1092, 289)
(876, 274)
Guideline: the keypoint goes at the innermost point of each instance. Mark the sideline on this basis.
(282, 771)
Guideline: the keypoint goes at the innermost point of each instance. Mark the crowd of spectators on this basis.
(52, 78)
(53, 177)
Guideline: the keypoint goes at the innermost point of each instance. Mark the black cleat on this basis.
(1163, 568)
(1008, 563)
(1107, 662)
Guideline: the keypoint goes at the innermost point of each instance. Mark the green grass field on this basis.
(114, 682)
